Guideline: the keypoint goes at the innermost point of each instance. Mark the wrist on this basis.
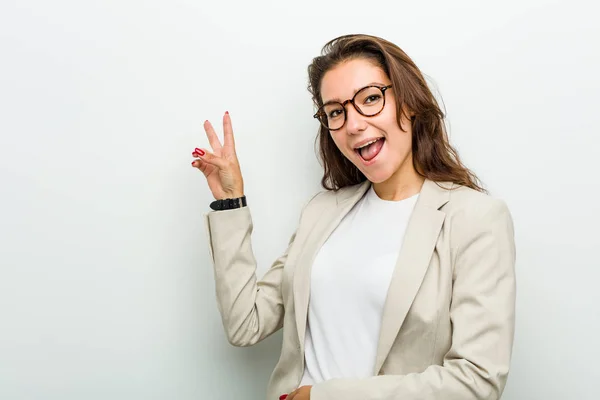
(231, 196)
(229, 203)
(236, 194)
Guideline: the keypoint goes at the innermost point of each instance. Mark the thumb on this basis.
(210, 158)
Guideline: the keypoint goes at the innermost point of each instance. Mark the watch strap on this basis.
(228, 204)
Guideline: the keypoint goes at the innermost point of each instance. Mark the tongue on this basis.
(369, 152)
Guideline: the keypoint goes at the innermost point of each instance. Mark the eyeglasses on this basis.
(368, 101)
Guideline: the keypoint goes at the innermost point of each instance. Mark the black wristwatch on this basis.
(228, 204)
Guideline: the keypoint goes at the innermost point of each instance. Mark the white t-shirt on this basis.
(349, 283)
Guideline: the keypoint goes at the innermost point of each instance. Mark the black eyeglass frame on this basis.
(320, 113)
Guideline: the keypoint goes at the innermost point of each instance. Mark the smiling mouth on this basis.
(368, 153)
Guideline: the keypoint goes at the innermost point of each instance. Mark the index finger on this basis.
(213, 139)
(228, 131)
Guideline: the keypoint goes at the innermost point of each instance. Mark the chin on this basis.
(372, 180)
(378, 177)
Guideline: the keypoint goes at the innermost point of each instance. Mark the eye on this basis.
(372, 98)
(334, 114)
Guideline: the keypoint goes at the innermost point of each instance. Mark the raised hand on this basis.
(220, 167)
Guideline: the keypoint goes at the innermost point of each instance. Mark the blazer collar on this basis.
(433, 195)
(419, 242)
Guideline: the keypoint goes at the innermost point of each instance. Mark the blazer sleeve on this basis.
(483, 317)
(250, 309)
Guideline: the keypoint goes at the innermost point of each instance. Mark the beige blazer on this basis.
(448, 322)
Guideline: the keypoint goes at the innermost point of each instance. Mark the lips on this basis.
(365, 141)
(371, 153)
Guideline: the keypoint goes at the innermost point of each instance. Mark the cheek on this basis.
(400, 136)
(339, 141)
(401, 142)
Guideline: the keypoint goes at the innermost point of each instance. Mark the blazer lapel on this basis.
(413, 260)
(330, 217)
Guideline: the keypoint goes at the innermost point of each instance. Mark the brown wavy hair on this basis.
(433, 156)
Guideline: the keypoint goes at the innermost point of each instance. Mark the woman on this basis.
(398, 282)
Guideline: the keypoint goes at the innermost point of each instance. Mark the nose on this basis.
(355, 122)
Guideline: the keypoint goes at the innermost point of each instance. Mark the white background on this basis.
(106, 290)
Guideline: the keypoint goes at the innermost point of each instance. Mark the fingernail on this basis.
(201, 152)
(227, 112)
(193, 163)
(283, 397)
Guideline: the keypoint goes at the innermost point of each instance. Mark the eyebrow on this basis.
(355, 91)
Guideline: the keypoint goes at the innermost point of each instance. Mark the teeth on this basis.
(368, 143)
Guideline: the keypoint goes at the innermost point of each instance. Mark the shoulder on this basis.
(470, 213)
(324, 199)
(472, 204)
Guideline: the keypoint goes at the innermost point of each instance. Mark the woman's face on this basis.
(392, 151)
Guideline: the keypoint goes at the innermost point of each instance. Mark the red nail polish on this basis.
(201, 152)
(283, 397)
(227, 112)
(192, 162)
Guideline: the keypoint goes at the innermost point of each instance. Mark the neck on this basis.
(404, 183)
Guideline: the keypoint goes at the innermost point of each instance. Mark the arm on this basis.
(482, 314)
(250, 310)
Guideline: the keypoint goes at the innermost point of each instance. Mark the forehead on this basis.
(341, 82)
